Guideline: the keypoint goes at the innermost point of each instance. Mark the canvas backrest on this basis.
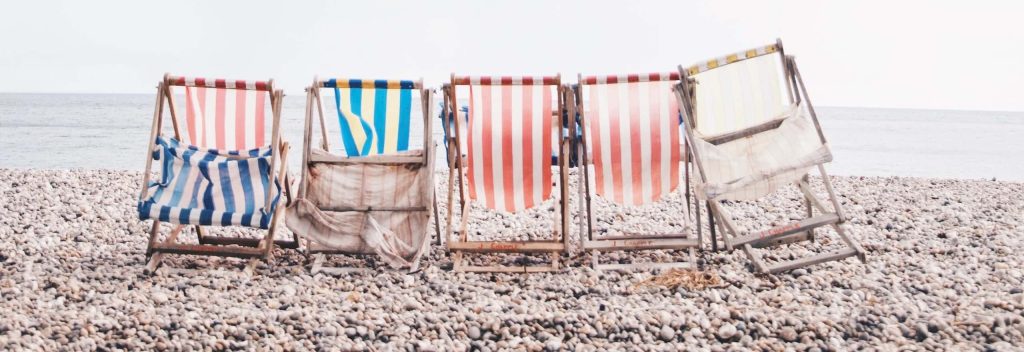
(510, 139)
(738, 91)
(632, 129)
(374, 115)
(224, 114)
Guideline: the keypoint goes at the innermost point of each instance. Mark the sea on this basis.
(110, 131)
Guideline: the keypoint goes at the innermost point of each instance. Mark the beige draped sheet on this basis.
(399, 237)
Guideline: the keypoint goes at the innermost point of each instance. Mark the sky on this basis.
(964, 55)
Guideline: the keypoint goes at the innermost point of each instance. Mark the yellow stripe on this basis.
(694, 70)
(393, 85)
(368, 84)
(770, 49)
(732, 58)
(390, 134)
(751, 53)
(712, 64)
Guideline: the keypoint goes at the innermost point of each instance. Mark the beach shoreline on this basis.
(943, 272)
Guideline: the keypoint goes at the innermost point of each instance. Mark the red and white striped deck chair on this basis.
(223, 166)
(633, 151)
(509, 140)
(753, 130)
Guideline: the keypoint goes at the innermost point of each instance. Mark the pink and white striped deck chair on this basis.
(632, 147)
(509, 142)
(753, 130)
(223, 166)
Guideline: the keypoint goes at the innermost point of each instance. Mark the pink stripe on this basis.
(634, 141)
(201, 118)
(219, 122)
(595, 140)
(261, 104)
(546, 150)
(509, 189)
(654, 101)
(470, 142)
(240, 121)
(528, 140)
(674, 133)
(190, 116)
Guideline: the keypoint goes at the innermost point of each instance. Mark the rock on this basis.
(788, 334)
(799, 272)
(726, 331)
(667, 333)
(159, 297)
(553, 344)
(1016, 290)
(474, 333)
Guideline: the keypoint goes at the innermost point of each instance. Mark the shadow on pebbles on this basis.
(943, 272)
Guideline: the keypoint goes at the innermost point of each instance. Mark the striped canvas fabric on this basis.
(740, 95)
(210, 187)
(633, 128)
(732, 58)
(374, 115)
(225, 114)
(510, 142)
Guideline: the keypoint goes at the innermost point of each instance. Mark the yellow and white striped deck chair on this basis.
(753, 130)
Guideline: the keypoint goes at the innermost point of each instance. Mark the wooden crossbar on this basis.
(641, 244)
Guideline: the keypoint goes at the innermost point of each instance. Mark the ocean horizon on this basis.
(108, 131)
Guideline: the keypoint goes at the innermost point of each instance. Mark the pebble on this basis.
(76, 281)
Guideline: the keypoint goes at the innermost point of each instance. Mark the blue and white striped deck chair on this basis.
(216, 170)
(375, 195)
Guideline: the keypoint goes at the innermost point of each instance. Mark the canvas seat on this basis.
(753, 130)
(631, 145)
(507, 167)
(377, 198)
(218, 168)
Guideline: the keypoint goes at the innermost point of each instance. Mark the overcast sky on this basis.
(911, 54)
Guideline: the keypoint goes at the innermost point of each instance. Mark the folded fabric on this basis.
(752, 167)
(332, 212)
(211, 187)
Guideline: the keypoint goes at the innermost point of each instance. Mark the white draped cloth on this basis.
(399, 237)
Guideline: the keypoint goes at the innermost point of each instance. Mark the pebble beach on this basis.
(943, 273)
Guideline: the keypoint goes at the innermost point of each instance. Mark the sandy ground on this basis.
(943, 272)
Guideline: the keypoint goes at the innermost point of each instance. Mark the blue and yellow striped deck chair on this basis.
(375, 194)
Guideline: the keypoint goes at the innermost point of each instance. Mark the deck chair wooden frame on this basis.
(626, 242)
(313, 97)
(751, 241)
(461, 245)
(253, 249)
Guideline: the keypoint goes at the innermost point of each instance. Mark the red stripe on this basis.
(200, 82)
(527, 80)
(546, 142)
(262, 85)
(595, 140)
(590, 80)
(190, 116)
(220, 83)
(239, 84)
(470, 155)
(240, 120)
(550, 80)
(220, 123)
(506, 147)
(527, 127)
(488, 156)
(180, 81)
(616, 142)
(611, 79)
(505, 80)
(654, 101)
(261, 102)
(634, 143)
(485, 81)
(633, 78)
(201, 121)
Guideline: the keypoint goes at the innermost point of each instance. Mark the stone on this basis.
(667, 333)
(726, 331)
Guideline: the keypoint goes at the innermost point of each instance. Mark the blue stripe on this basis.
(183, 217)
(179, 185)
(205, 217)
(356, 102)
(243, 170)
(380, 117)
(165, 214)
(225, 219)
(225, 184)
(346, 133)
(404, 117)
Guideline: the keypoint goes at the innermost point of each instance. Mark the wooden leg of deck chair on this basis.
(755, 258)
(318, 263)
(152, 237)
(595, 260)
(807, 202)
(154, 260)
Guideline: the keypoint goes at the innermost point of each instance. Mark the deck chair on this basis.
(753, 130)
(507, 169)
(218, 168)
(376, 198)
(631, 129)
